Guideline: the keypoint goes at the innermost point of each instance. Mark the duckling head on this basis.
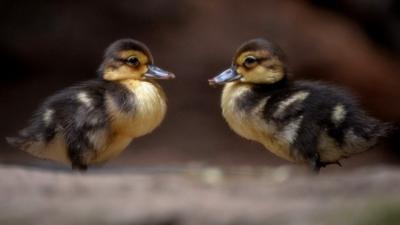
(256, 61)
(130, 59)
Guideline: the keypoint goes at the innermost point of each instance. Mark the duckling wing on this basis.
(334, 126)
(68, 125)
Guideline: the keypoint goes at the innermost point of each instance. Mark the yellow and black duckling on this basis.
(96, 120)
(300, 121)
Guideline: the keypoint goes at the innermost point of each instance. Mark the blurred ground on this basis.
(200, 196)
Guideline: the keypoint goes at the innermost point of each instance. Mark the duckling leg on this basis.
(315, 163)
(78, 150)
(305, 145)
(77, 159)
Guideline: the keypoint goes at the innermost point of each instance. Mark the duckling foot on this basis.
(316, 167)
(324, 164)
(315, 163)
(79, 167)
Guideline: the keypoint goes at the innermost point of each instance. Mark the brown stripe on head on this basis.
(260, 61)
(117, 64)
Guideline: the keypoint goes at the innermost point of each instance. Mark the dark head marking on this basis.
(260, 44)
(126, 45)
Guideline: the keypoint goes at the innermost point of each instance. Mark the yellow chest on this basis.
(251, 124)
(149, 109)
(239, 121)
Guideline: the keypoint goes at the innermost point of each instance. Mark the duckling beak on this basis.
(155, 72)
(225, 77)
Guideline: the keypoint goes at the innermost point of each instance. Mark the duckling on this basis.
(300, 121)
(95, 121)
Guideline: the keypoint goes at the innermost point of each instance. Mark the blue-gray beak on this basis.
(225, 77)
(155, 72)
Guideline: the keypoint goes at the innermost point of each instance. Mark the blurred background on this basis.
(48, 45)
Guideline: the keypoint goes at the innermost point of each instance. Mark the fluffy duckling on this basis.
(95, 121)
(300, 121)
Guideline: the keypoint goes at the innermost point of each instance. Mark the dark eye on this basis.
(134, 61)
(250, 61)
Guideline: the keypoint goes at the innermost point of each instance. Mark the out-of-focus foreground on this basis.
(194, 196)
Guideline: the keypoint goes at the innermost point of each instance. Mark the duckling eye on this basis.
(133, 61)
(250, 62)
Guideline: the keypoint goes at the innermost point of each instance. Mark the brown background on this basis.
(49, 45)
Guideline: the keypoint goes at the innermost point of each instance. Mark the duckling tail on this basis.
(14, 141)
(389, 129)
(17, 142)
(393, 136)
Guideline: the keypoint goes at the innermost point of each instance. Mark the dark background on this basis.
(49, 45)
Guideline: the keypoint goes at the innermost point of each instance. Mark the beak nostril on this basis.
(154, 72)
(225, 77)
